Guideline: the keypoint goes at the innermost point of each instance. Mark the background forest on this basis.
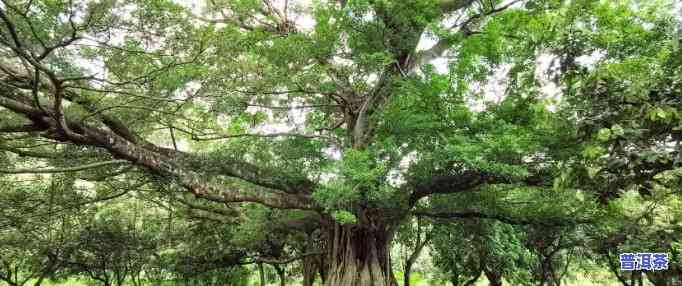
(339, 142)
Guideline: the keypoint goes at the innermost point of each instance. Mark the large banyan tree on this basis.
(354, 115)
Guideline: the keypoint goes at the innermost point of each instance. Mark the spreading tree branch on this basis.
(436, 51)
(64, 170)
(549, 222)
(21, 128)
(151, 158)
(281, 261)
(459, 181)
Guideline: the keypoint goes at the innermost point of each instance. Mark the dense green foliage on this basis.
(238, 142)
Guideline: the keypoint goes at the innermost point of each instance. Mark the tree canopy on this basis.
(162, 141)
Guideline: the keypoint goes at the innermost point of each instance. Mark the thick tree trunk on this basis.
(359, 257)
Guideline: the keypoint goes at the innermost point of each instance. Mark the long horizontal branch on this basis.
(19, 107)
(472, 215)
(200, 136)
(444, 183)
(281, 261)
(27, 153)
(123, 143)
(64, 170)
(158, 162)
(464, 181)
(276, 107)
(549, 221)
(21, 128)
(226, 194)
(268, 135)
(192, 181)
(220, 211)
(198, 265)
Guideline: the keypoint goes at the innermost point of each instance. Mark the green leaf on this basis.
(604, 135)
(617, 130)
(344, 217)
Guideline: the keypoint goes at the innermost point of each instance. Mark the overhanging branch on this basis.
(21, 128)
(281, 261)
(27, 153)
(64, 170)
(168, 162)
(437, 50)
(549, 221)
(267, 135)
(472, 215)
(453, 181)
(445, 183)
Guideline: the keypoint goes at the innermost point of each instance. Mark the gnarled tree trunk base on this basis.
(359, 257)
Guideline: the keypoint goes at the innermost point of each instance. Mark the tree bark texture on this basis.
(359, 256)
